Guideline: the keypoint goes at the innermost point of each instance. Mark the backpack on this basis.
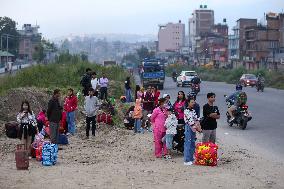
(49, 154)
(12, 129)
(63, 139)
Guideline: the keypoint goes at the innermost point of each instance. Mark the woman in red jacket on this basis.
(70, 106)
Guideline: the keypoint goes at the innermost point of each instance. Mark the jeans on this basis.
(137, 126)
(128, 95)
(54, 132)
(103, 93)
(189, 144)
(71, 122)
(169, 141)
(88, 122)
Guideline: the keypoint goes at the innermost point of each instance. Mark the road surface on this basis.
(265, 132)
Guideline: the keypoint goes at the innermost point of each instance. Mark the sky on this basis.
(58, 18)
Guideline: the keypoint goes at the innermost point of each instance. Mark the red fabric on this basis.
(38, 152)
(156, 97)
(71, 103)
(63, 123)
(104, 118)
(206, 154)
(41, 117)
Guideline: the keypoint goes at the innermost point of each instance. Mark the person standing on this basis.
(104, 85)
(158, 119)
(91, 106)
(191, 126)
(137, 116)
(86, 81)
(70, 106)
(95, 81)
(156, 94)
(148, 104)
(210, 115)
(27, 121)
(179, 106)
(127, 86)
(54, 113)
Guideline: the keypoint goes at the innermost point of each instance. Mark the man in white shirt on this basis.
(104, 84)
(95, 81)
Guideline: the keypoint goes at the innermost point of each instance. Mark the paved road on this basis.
(265, 132)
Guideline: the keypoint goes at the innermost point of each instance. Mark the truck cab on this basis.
(153, 73)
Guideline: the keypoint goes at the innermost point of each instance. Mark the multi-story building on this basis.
(171, 37)
(29, 40)
(201, 22)
(237, 41)
(259, 41)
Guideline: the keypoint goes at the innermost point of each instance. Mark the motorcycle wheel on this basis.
(243, 124)
(230, 124)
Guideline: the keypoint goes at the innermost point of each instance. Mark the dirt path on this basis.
(117, 158)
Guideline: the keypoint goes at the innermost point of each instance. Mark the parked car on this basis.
(185, 77)
(248, 80)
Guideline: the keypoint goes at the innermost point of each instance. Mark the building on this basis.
(29, 39)
(171, 37)
(259, 41)
(237, 41)
(201, 22)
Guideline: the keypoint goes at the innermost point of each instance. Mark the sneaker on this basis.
(188, 163)
(168, 157)
(67, 134)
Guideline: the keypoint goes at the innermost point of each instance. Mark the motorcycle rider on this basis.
(260, 80)
(174, 75)
(237, 99)
(196, 80)
(239, 87)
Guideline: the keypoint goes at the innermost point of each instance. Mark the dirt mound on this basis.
(10, 103)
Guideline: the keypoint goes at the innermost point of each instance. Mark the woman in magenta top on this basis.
(179, 106)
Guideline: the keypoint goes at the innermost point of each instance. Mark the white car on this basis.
(185, 77)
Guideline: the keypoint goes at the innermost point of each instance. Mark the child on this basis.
(191, 126)
(137, 115)
(158, 119)
(171, 126)
(91, 104)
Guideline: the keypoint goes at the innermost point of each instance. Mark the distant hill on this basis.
(130, 38)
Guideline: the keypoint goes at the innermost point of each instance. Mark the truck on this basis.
(153, 73)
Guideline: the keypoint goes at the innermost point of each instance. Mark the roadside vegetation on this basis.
(272, 79)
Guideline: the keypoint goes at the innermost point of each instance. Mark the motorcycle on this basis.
(242, 115)
(260, 86)
(195, 88)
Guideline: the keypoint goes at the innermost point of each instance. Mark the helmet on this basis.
(191, 95)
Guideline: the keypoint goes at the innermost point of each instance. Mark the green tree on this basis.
(143, 52)
(8, 26)
(39, 54)
(130, 58)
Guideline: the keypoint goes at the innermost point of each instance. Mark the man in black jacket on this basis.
(86, 81)
(54, 113)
